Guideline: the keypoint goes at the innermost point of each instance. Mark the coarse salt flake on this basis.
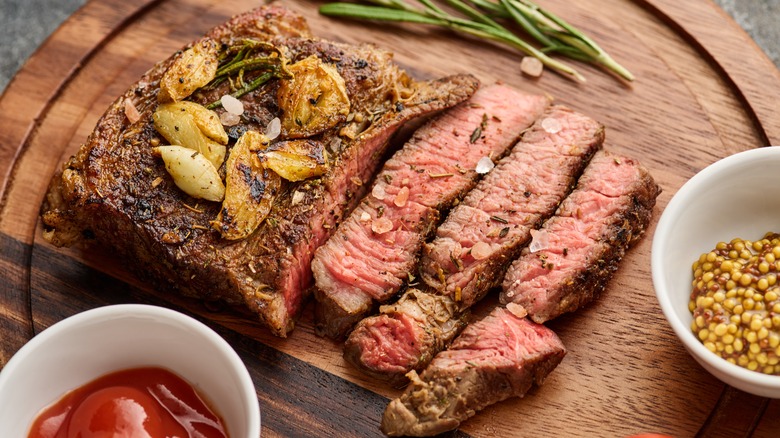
(531, 66)
(540, 240)
(401, 197)
(232, 105)
(517, 310)
(274, 128)
(229, 119)
(131, 112)
(365, 217)
(378, 191)
(484, 165)
(481, 250)
(382, 225)
(297, 197)
(551, 126)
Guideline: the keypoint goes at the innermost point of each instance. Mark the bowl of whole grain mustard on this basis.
(716, 268)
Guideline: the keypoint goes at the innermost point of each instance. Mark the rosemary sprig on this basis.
(559, 36)
(482, 20)
(250, 55)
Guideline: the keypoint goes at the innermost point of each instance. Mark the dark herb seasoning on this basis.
(477, 133)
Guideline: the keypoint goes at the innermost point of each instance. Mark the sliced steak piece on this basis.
(575, 253)
(405, 335)
(375, 249)
(115, 190)
(498, 357)
(486, 231)
(476, 243)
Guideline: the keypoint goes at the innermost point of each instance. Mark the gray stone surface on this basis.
(761, 20)
(25, 24)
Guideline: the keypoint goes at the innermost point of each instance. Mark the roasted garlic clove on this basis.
(192, 126)
(193, 69)
(314, 100)
(296, 160)
(206, 120)
(193, 173)
(250, 189)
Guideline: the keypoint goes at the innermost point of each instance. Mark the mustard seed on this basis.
(736, 302)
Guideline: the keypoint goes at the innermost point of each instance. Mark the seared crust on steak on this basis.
(115, 190)
(579, 249)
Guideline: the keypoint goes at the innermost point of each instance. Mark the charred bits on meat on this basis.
(144, 210)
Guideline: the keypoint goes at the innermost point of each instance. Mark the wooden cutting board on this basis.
(703, 91)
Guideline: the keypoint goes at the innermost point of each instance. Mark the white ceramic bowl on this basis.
(738, 196)
(88, 345)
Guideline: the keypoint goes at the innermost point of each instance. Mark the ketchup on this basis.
(139, 403)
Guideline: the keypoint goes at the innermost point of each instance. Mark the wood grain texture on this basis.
(703, 91)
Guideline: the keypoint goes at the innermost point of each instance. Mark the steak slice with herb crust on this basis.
(576, 252)
(117, 191)
(372, 254)
(476, 243)
(498, 357)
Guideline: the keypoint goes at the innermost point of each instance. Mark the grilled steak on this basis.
(498, 357)
(375, 249)
(476, 243)
(115, 190)
(575, 253)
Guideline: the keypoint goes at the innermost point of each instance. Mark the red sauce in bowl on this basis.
(140, 402)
